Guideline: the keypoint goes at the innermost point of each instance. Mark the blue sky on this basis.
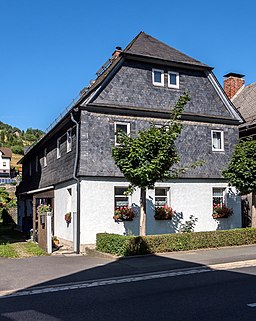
(51, 49)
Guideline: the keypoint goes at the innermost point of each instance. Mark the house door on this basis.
(43, 218)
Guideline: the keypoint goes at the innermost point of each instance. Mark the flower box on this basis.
(164, 213)
(124, 213)
(68, 217)
(221, 211)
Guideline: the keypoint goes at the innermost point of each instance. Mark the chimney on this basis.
(233, 83)
(116, 53)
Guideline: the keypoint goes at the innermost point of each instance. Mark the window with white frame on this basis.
(217, 140)
(45, 157)
(158, 77)
(69, 140)
(218, 194)
(161, 196)
(125, 127)
(173, 79)
(120, 198)
(58, 148)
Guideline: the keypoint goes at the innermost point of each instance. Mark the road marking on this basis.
(251, 305)
(127, 279)
(104, 282)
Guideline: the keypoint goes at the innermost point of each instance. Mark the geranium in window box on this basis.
(221, 211)
(124, 213)
(164, 213)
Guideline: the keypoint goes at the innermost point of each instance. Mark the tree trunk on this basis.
(142, 211)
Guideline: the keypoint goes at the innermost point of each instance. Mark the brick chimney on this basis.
(117, 52)
(233, 83)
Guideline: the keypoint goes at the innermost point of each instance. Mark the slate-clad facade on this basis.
(84, 180)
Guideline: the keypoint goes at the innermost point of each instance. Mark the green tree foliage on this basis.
(17, 139)
(241, 171)
(149, 157)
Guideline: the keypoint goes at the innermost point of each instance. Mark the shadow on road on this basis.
(209, 295)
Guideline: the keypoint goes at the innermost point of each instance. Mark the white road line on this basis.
(103, 282)
(251, 305)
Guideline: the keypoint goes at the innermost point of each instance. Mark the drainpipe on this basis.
(78, 186)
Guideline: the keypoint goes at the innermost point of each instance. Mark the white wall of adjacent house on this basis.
(5, 163)
(64, 202)
(186, 197)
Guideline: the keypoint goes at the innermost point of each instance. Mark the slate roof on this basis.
(148, 46)
(145, 45)
(7, 152)
(245, 102)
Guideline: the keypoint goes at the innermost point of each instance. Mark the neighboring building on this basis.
(72, 169)
(244, 98)
(5, 165)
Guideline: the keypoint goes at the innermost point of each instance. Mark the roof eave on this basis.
(160, 61)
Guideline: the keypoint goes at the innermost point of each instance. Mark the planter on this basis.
(157, 218)
(216, 216)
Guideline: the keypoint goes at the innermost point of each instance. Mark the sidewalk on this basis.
(18, 274)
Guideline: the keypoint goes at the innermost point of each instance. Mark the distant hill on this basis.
(18, 139)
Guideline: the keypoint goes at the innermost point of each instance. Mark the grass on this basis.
(13, 244)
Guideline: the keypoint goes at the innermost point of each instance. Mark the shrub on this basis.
(136, 245)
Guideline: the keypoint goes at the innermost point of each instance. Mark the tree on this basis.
(148, 158)
(241, 171)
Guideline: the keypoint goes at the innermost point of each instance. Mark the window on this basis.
(120, 198)
(36, 163)
(218, 196)
(125, 127)
(69, 140)
(30, 168)
(58, 148)
(173, 79)
(45, 157)
(161, 196)
(158, 77)
(217, 140)
(4, 163)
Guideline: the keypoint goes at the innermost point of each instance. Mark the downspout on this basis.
(78, 185)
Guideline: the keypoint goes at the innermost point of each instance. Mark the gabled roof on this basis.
(146, 45)
(245, 102)
(7, 152)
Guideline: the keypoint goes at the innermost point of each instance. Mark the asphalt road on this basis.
(199, 293)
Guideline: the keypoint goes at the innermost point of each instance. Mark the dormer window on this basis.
(173, 79)
(158, 77)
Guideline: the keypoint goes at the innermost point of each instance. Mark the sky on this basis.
(51, 49)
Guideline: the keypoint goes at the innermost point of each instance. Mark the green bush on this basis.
(136, 245)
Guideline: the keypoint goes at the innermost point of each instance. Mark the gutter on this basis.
(77, 245)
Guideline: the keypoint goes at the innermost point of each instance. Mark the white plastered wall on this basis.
(187, 197)
(64, 202)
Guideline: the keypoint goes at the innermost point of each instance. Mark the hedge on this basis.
(136, 245)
